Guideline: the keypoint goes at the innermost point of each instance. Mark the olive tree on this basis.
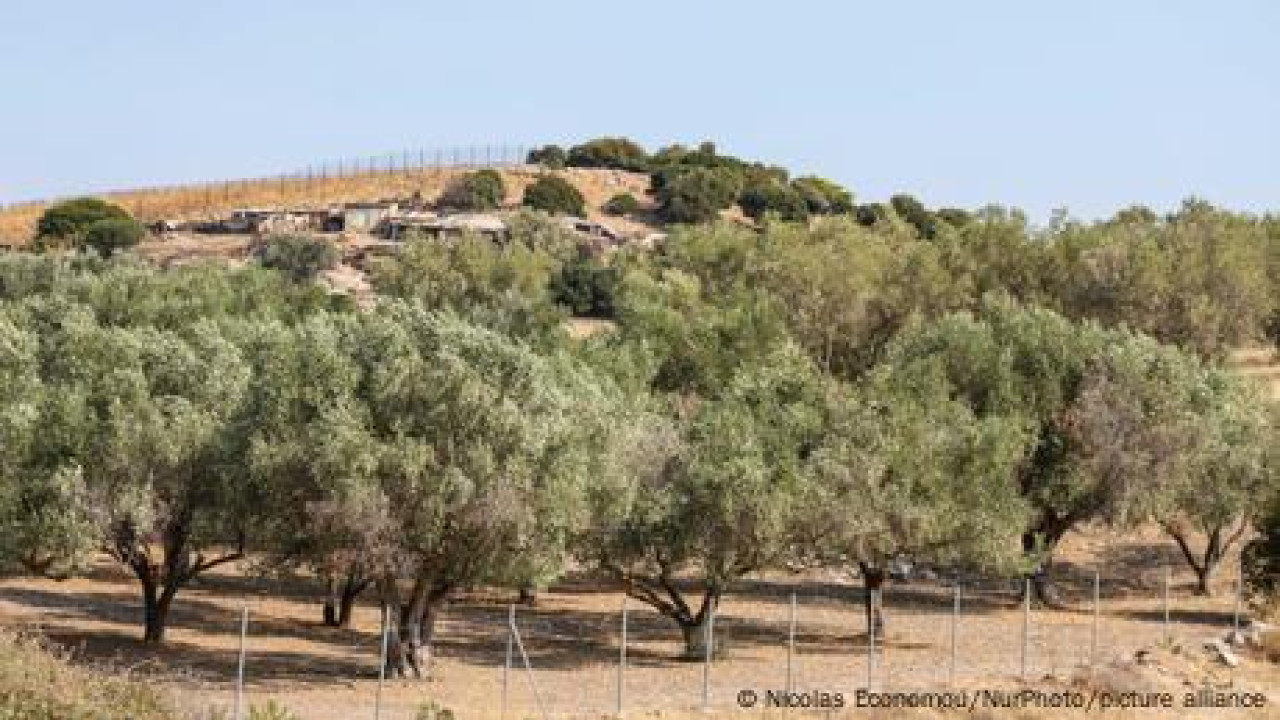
(300, 411)
(476, 455)
(40, 531)
(1214, 498)
(132, 454)
(1105, 412)
(499, 286)
(695, 501)
(911, 475)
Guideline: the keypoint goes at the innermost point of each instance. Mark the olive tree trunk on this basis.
(873, 579)
(1219, 539)
(661, 594)
(161, 578)
(413, 625)
(340, 599)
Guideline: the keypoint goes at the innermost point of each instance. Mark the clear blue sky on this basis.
(1088, 104)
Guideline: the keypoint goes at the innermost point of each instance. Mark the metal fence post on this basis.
(622, 658)
(709, 640)
(1097, 611)
(506, 667)
(791, 647)
(528, 667)
(1236, 612)
(1026, 625)
(871, 637)
(382, 663)
(1168, 628)
(244, 631)
(955, 636)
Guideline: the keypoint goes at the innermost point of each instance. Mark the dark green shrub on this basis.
(915, 214)
(69, 219)
(586, 287)
(616, 153)
(554, 195)
(112, 234)
(823, 197)
(553, 157)
(301, 258)
(1261, 560)
(955, 217)
(622, 204)
(480, 190)
(871, 214)
(774, 197)
(697, 195)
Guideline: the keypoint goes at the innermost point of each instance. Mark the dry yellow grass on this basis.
(209, 201)
(38, 683)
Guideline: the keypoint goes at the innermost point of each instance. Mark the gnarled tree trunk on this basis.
(1219, 540)
(161, 579)
(873, 579)
(340, 599)
(662, 595)
(412, 630)
(156, 602)
(1043, 540)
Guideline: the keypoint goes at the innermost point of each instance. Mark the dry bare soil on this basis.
(572, 640)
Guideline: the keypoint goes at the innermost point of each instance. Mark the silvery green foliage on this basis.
(707, 489)
(1118, 427)
(898, 475)
(482, 441)
(131, 434)
(407, 442)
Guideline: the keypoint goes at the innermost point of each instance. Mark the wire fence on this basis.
(805, 642)
(315, 175)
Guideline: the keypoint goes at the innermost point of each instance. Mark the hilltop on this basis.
(210, 201)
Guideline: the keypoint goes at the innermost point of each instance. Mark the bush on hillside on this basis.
(823, 197)
(301, 258)
(552, 157)
(955, 217)
(622, 204)
(871, 214)
(587, 287)
(64, 224)
(774, 197)
(111, 235)
(479, 190)
(915, 214)
(554, 195)
(697, 195)
(615, 153)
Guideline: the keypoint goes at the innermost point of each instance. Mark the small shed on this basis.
(365, 217)
(445, 227)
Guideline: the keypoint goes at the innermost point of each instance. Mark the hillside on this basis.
(212, 200)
